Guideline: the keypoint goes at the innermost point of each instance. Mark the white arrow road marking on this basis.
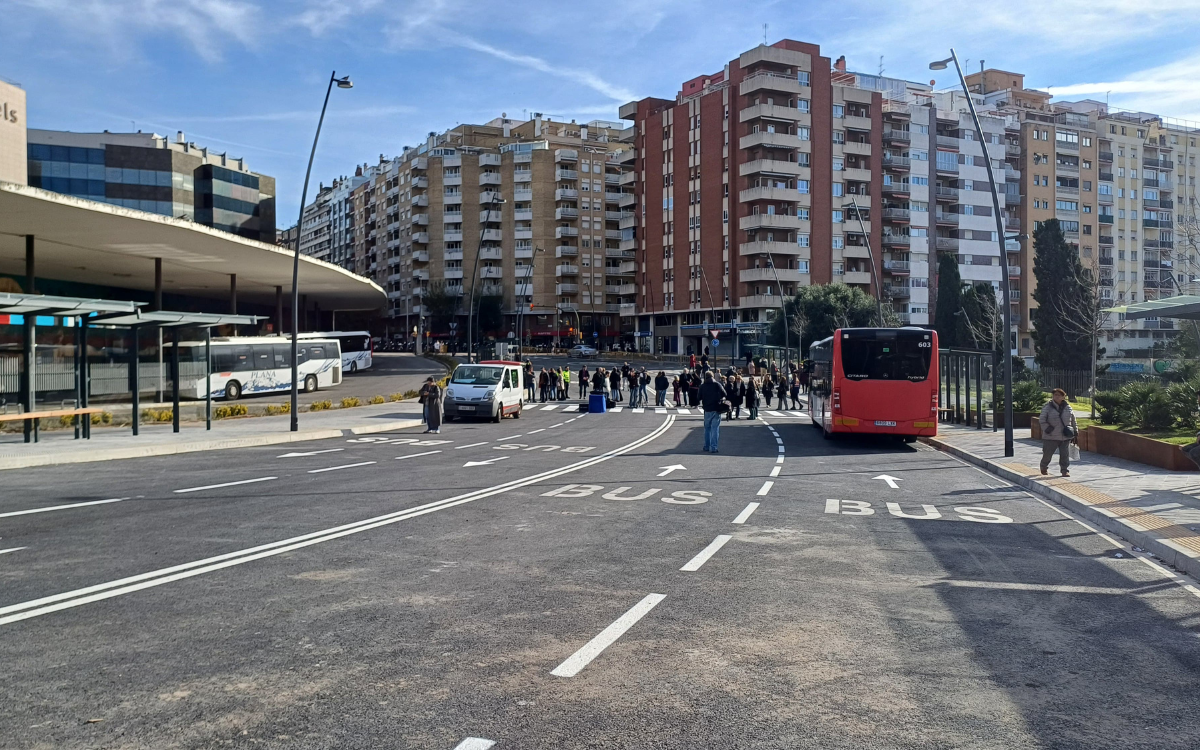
(310, 453)
(338, 468)
(474, 743)
(668, 469)
(891, 481)
(60, 507)
(224, 484)
(470, 445)
(593, 648)
(484, 463)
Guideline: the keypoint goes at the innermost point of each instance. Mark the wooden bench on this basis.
(945, 414)
(38, 416)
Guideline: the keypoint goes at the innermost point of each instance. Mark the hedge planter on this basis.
(1128, 446)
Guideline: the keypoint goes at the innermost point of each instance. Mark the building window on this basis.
(838, 217)
(839, 111)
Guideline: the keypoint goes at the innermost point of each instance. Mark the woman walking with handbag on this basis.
(1058, 431)
(431, 399)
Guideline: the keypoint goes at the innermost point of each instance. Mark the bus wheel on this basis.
(233, 390)
(499, 413)
(354, 367)
(310, 384)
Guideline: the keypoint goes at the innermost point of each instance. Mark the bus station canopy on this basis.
(1185, 307)
(41, 304)
(114, 313)
(169, 319)
(87, 242)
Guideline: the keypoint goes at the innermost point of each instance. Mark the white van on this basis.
(491, 389)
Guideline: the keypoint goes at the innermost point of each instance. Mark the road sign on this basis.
(716, 342)
(595, 334)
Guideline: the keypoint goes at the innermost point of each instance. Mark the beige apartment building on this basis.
(527, 211)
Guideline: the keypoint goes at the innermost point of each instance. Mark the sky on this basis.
(248, 76)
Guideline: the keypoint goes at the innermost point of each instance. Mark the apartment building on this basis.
(536, 203)
(329, 222)
(1111, 179)
(149, 172)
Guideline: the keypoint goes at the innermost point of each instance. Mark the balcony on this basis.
(1013, 199)
(628, 219)
(856, 123)
(896, 188)
(420, 164)
(452, 236)
(448, 199)
(857, 149)
(1012, 149)
(491, 253)
(945, 167)
(749, 275)
(419, 219)
(625, 178)
(897, 291)
(1014, 272)
(420, 183)
(772, 301)
(770, 112)
(612, 178)
(1158, 163)
(452, 179)
(565, 154)
(421, 274)
(492, 235)
(855, 251)
(566, 194)
(566, 269)
(767, 81)
(624, 200)
(420, 201)
(769, 166)
(627, 267)
(421, 256)
(891, 135)
(628, 309)
(489, 178)
(560, 232)
(946, 219)
(896, 215)
(525, 157)
(1067, 167)
(1106, 260)
(1066, 190)
(523, 252)
(566, 251)
(420, 238)
(898, 163)
(566, 174)
(947, 243)
(896, 267)
(1150, 182)
(566, 288)
(1107, 239)
(523, 195)
(625, 289)
(489, 197)
(896, 240)
(1105, 218)
(522, 175)
(775, 248)
(450, 273)
(612, 234)
(625, 247)
(770, 140)
(566, 213)
(523, 214)
(948, 141)
(628, 156)
(769, 221)
(857, 277)
(1106, 156)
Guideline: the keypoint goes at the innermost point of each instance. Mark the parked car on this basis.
(582, 350)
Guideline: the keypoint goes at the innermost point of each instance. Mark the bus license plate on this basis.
(472, 408)
(885, 424)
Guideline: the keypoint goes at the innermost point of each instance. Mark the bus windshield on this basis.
(886, 355)
(475, 375)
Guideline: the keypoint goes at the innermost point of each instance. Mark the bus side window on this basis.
(242, 361)
(283, 355)
(316, 352)
(301, 355)
(264, 358)
(222, 359)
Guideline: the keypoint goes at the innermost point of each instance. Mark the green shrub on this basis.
(104, 417)
(1108, 406)
(1028, 396)
(232, 410)
(396, 397)
(350, 402)
(1182, 399)
(377, 400)
(320, 405)
(273, 409)
(411, 393)
(1144, 406)
(157, 415)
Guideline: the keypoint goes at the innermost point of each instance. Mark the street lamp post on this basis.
(342, 83)
(521, 305)
(871, 256)
(787, 348)
(487, 219)
(987, 161)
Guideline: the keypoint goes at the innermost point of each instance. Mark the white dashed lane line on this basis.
(767, 485)
(11, 549)
(60, 507)
(224, 484)
(593, 648)
(746, 513)
(696, 562)
(417, 455)
(339, 468)
(474, 743)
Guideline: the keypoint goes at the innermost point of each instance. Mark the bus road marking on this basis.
(339, 468)
(224, 484)
(593, 648)
(696, 562)
(60, 507)
(746, 513)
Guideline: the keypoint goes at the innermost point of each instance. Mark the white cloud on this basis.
(1171, 90)
(207, 25)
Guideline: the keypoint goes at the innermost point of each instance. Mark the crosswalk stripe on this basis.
(797, 414)
(775, 413)
(639, 410)
(551, 407)
(660, 411)
(616, 409)
(684, 411)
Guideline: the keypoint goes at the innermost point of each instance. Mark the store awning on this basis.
(1186, 307)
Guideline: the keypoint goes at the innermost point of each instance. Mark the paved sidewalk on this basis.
(111, 443)
(1151, 508)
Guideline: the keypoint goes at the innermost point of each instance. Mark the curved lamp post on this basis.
(342, 83)
(474, 274)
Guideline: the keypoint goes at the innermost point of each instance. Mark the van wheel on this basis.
(310, 384)
(499, 413)
(517, 413)
(233, 390)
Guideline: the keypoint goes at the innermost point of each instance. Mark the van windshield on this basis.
(476, 375)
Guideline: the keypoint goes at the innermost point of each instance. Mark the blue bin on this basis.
(597, 404)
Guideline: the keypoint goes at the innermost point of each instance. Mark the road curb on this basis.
(149, 451)
(1182, 560)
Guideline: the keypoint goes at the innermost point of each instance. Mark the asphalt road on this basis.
(572, 581)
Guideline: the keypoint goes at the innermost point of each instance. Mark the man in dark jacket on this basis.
(712, 397)
(661, 384)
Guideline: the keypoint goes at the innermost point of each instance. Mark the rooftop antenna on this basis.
(881, 66)
(765, 27)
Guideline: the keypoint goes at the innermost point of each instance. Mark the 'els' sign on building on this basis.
(14, 158)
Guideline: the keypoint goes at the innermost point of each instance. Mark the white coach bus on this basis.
(357, 348)
(242, 365)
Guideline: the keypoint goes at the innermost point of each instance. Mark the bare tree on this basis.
(1086, 315)
(985, 323)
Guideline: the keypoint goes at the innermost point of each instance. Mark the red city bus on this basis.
(875, 381)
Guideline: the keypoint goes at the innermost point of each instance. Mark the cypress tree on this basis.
(1059, 276)
(949, 300)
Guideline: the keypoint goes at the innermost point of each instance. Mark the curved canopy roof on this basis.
(1184, 306)
(87, 242)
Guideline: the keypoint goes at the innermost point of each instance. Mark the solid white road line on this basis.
(695, 563)
(775, 470)
(339, 468)
(11, 549)
(767, 485)
(746, 513)
(470, 445)
(474, 743)
(60, 507)
(224, 484)
(68, 599)
(593, 648)
(417, 455)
